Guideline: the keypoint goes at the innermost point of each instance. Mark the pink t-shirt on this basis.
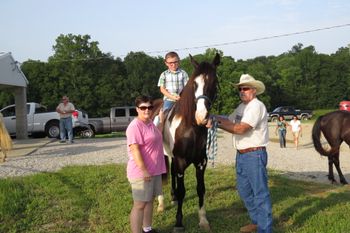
(150, 142)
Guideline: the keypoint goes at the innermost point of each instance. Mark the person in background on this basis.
(249, 127)
(172, 81)
(295, 124)
(281, 129)
(5, 141)
(145, 165)
(66, 109)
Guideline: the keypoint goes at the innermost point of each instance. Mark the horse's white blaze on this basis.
(169, 135)
(201, 110)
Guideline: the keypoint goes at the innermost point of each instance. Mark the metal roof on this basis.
(10, 72)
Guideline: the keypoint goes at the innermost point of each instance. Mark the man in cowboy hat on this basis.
(248, 124)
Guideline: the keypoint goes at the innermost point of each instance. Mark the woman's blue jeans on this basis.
(66, 127)
(252, 186)
(282, 137)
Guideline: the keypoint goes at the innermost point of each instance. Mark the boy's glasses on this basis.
(143, 108)
(173, 62)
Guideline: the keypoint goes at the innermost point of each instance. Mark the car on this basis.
(344, 105)
(288, 112)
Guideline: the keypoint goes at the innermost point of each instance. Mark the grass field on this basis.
(98, 199)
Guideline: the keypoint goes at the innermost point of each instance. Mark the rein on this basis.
(212, 144)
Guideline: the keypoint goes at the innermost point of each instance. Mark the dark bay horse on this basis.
(335, 127)
(185, 135)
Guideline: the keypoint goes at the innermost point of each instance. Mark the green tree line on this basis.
(96, 81)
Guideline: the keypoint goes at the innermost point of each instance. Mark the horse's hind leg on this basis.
(330, 169)
(203, 222)
(180, 192)
(337, 166)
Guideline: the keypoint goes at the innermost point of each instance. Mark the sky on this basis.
(29, 28)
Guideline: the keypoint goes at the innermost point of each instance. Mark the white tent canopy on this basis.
(13, 79)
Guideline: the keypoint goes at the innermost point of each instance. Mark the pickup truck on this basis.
(119, 119)
(288, 112)
(41, 121)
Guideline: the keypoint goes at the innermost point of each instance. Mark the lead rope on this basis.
(212, 144)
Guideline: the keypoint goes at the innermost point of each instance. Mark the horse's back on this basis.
(335, 125)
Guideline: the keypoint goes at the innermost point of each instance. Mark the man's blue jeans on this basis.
(253, 188)
(282, 137)
(66, 126)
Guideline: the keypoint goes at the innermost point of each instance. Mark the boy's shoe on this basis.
(249, 228)
(63, 141)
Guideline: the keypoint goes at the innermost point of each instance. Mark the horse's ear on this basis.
(194, 62)
(216, 60)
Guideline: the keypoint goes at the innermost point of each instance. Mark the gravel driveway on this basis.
(304, 163)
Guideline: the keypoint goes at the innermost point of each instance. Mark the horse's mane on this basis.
(185, 107)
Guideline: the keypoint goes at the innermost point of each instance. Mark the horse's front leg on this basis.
(203, 222)
(330, 169)
(337, 166)
(173, 182)
(180, 192)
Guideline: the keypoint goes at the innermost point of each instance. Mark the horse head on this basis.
(205, 84)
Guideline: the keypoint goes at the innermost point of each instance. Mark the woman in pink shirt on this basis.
(145, 166)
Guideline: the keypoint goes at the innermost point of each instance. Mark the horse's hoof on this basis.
(205, 227)
(178, 229)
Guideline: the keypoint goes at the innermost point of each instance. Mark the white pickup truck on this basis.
(42, 121)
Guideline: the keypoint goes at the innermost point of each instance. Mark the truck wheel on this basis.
(89, 133)
(52, 130)
(274, 119)
(304, 118)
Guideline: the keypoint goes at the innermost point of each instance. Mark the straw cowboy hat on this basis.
(248, 80)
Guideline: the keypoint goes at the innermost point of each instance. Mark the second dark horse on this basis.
(335, 127)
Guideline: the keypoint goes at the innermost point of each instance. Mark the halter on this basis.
(204, 97)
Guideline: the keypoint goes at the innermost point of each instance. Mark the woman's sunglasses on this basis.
(143, 108)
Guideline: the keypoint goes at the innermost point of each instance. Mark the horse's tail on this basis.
(316, 138)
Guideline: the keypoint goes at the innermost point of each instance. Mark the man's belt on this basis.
(250, 149)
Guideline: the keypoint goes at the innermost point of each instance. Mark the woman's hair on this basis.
(279, 118)
(143, 99)
(295, 117)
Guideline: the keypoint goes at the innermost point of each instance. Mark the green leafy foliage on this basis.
(96, 81)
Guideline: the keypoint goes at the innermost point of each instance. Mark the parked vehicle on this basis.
(42, 121)
(288, 112)
(119, 119)
(344, 105)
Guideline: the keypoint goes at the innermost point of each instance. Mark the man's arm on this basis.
(234, 128)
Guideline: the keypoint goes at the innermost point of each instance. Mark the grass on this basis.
(98, 199)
